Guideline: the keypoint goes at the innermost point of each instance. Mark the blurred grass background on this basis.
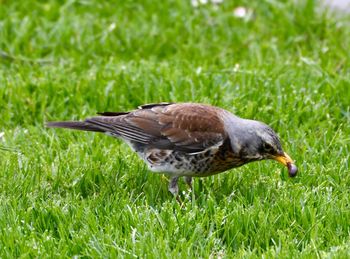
(74, 194)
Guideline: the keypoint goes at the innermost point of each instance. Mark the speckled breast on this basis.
(208, 162)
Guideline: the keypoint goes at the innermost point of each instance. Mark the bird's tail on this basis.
(76, 125)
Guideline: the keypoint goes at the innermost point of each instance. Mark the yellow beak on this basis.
(283, 159)
(288, 162)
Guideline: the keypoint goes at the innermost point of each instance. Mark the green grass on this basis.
(67, 194)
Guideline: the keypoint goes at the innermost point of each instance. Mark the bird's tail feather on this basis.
(77, 125)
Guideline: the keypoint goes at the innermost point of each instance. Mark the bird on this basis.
(188, 139)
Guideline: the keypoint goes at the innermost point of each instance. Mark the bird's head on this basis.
(254, 140)
(268, 145)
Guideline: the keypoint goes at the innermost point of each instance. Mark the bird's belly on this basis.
(184, 164)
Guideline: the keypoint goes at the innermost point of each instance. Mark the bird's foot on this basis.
(188, 181)
(174, 188)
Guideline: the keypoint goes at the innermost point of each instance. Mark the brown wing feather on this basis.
(193, 126)
(187, 127)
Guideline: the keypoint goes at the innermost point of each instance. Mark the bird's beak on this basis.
(283, 159)
(288, 162)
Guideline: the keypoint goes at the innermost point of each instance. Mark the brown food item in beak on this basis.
(288, 162)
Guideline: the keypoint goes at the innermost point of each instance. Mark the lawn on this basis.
(79, 194)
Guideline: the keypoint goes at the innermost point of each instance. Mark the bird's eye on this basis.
(268, 147)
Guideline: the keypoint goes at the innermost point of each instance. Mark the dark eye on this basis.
(268, 147)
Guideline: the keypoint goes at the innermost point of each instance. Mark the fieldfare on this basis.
(188, 139)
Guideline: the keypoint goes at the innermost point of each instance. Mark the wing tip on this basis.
(112, 113)
(151, 105)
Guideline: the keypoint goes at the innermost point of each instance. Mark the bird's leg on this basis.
(188, 181)
(173, 187)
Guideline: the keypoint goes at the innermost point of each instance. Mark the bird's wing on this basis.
(186, 127)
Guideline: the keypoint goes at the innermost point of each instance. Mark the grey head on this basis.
(254, 140)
